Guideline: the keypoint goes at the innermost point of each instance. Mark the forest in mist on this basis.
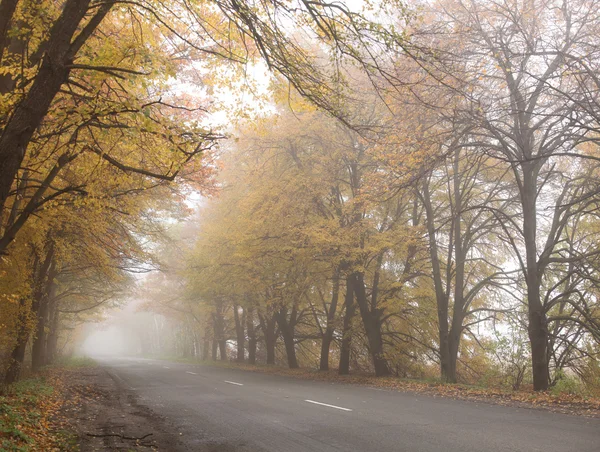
(398, 188)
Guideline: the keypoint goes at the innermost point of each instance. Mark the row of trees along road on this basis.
(97, 147)
(450, 208)
(451, 218)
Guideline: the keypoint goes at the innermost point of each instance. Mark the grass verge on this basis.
(30, 418)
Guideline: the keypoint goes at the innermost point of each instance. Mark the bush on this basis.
(566, 384)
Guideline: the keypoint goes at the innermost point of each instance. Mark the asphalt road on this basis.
(229, 410)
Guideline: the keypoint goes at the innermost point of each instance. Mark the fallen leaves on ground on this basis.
(30, 418)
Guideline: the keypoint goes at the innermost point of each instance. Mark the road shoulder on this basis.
(107, 416)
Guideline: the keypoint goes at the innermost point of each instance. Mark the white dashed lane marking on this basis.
(327, 405)
(233, 383)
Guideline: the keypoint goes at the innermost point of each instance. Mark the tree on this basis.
(524, 111)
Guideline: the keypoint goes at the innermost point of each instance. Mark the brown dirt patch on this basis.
(107, 416)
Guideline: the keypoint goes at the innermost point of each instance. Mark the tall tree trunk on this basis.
(344, 365)
(287, 331)
(459, 275)
(52, 342)
(39, 356)
(329, 329)
(372, 323)
(441, 295)
(537, 328)
(206, 342)
(270, 346)
(219, 332)
(268, 326)
(251, 336)
(18, 353)
(240, 334)
(38, 349)
(26, 310)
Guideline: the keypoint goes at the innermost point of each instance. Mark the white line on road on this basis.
(191, 373)
(166, 367)
(330, 406)
(233, 383)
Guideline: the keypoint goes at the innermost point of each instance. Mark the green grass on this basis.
(20, 412)
(72, 362)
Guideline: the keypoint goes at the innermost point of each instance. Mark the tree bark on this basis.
(40, 274)
(52, 341)
(537, 328)
(251, 336)
(329, 329)
(18, 354)
(38, 349)
(344, 365)
(458, 314)
(372, 323)
(219, 339)
(441, 295)
(206, 342)
(268, 326)
(287, 331)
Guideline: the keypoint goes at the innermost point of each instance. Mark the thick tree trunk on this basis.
(441, 295)
(17, 357)
(52, 344)
(453, 344)
(251, 336)
(42, 274)
(38, 349)
(372, 323)
(537, 328)
(344, 365)
(18, 354)
(270, 346)
(240, 334)
(329, 329)
(287, 332)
